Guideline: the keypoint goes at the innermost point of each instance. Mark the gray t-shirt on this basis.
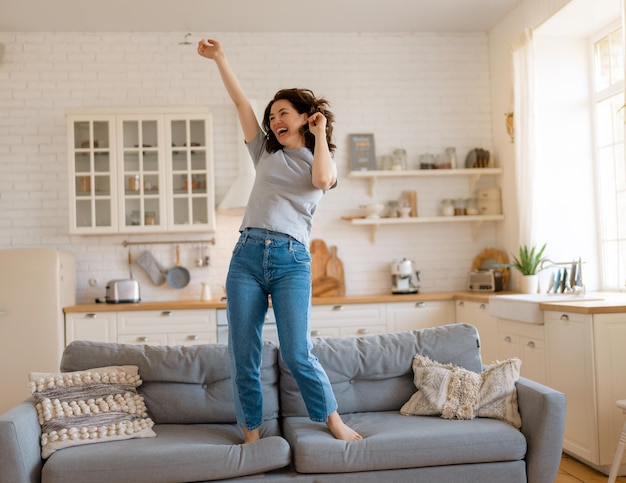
(283, 197)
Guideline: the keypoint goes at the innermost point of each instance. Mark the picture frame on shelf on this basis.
(362, 152)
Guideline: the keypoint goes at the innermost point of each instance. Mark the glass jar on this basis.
(149, 218)
(135, 218)
(471, 207)
(447, 207)
(460, 207)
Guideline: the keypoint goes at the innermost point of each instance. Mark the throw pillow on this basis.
(92, 406)
(456, 393)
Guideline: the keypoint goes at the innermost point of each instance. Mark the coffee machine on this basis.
(404, 277)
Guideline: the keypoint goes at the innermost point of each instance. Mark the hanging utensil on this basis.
(178, 276)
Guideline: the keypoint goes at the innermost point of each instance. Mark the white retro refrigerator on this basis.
(35, 285)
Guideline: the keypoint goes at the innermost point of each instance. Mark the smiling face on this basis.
(286, 124)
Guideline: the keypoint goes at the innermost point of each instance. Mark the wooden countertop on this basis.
(610, 303)
(349, 299)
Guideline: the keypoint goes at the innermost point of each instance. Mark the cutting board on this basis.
(319, 259)
(334, 269)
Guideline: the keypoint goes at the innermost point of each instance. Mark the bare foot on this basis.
(251, 435)
(340, 429)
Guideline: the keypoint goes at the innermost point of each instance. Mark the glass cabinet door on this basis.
(142, 205)
(92, 173)
(190, 160)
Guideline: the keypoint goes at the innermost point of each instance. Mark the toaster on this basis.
(122, 292)
(484, 281)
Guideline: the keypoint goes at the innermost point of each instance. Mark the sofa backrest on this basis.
(374, 373)
(181, 384)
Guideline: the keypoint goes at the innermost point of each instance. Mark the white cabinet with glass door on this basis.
(141, 172)
(92, 174)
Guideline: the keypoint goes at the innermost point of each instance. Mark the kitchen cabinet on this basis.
(345, 320)
(477, 314)
(473, 175)
(587, 362)
(140, 171)
(96, 326)
(405, 316)
(153, 327)
(526, 341)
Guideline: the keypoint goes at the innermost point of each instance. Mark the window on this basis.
(608, 98)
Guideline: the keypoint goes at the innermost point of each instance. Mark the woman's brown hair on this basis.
(305, 102)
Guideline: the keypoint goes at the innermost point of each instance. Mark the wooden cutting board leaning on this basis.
(327, 272)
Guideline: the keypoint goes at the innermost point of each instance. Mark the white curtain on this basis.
(525, 142)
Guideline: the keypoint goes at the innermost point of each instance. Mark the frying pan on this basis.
(177, 276)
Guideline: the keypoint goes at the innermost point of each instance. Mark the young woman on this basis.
(294, 167)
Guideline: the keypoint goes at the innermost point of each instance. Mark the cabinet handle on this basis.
(531, 344)
(338, 308)
(507, 339)
(142, 339)
(315, 333)
(482, 306)
(166, 313)
(362, 331)
(420, 305)
(192, 337)
(2, 312)
(564, 317)
(461, 303)
(90, 316)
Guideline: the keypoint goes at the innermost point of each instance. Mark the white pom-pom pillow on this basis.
(456, 393)
(92, 406)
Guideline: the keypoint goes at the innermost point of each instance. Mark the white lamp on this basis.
(236, 199)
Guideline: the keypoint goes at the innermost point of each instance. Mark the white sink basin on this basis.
(525, 307)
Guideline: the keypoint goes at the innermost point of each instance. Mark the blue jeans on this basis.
(269, 263)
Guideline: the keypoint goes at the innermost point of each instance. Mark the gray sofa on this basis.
(188, 393)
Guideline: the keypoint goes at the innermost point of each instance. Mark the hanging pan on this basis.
(178, 276)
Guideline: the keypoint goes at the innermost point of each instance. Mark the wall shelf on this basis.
(476, 221)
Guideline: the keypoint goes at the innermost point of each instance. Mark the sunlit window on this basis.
(608, 57)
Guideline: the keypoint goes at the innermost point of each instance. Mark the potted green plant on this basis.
(528, 263)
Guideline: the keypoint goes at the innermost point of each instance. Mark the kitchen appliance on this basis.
(122, 292)
(484, 281)
(404, 277)
(36, 284)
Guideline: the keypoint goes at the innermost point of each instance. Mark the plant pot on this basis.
(529, 284)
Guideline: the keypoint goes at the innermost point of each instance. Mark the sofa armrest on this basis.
(543, 424)
(20, 446)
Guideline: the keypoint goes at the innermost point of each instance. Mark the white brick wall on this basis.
(418, 92)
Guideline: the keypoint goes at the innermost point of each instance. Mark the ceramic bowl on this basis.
(373, 210)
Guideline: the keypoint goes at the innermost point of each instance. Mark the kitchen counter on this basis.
(604, 303)
(349, 299)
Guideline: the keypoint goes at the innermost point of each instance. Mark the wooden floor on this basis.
(573, 471)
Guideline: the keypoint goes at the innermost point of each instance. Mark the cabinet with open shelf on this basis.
(473, 175)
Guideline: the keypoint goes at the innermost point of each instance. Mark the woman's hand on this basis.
(211, 49)
(317, 125)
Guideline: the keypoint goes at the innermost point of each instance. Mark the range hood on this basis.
(236, 199)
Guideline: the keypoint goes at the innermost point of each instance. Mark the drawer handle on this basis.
(90, 316)
(420, 305)
(564, 317)
(166, 313)
(362, 331)
(315, 333)
(507, 339)
(461, 304)
(338, 308)
(192, 337)
(142, 339)
(482, 306)
(531, 344)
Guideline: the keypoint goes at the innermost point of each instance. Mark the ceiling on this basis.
(208, 16)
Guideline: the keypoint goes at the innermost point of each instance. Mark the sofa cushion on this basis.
(181, 384)
(456, 393)
(86, 407)
(393, 441)
(179, 453)
(374, 373)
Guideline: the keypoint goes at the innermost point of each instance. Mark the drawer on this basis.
(149, 339)
(347, 314)
(192, 339)
(357, 331)
(325, 332)
(151, 321)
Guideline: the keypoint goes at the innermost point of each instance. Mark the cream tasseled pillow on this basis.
(92, 406)
(456, 393)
